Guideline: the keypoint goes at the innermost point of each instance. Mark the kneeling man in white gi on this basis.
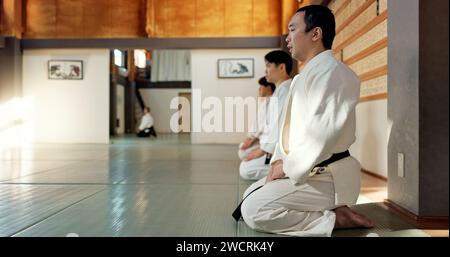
(256, 164)
(312, 178)
(251, 143)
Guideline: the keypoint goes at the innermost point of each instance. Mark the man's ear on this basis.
(317, 34)
(282, 66)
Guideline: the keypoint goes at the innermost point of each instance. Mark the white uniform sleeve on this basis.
(331, 96)
(277, 155)
(268, 147)
(276, 110)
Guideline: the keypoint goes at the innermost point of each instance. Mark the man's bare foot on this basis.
(346, 218)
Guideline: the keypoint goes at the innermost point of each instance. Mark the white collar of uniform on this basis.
(317, 59)
(286, 83)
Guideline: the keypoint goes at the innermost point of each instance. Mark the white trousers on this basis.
(254, 169)
(296, 210)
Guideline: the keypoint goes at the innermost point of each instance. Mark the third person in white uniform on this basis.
(251, 142)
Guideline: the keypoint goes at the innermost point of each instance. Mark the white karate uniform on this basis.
(256, 129)
(146, 122)
(256, 168)
(319, 120)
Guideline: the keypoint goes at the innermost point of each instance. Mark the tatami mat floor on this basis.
(137, 187)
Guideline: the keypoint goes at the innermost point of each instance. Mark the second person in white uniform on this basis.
(278, 67)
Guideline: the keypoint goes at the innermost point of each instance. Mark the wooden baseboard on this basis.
(373, 174)
(422, 222)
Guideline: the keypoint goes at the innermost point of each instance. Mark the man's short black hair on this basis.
(263, 82)
(280, 57)
(322, 17)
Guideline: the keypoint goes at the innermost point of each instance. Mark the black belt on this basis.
(334, 158)
(268, 157)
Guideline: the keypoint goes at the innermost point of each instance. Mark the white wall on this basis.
(372, 132)
(159, 102)
(204, 77)
(68, 111)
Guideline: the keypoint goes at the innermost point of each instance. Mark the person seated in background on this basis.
(146, 128)
(278, 67)
(251, 143)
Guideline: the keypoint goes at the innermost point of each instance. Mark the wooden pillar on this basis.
(288, 8)
(10, 69)
(130, 102)
(150, 17)
(11, 13)
(112, 96)
(130, 95)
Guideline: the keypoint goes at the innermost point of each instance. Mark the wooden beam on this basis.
(373, 97)
(355, 15)
(422, 222)
(375, 73)
(131, 66)
(342, 7)
(155, 43)
(366, 52)
(163, 85)
(377, 20)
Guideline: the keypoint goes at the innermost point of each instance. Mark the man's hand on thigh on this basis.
(248, 142)
(276, 171)
(255, 154)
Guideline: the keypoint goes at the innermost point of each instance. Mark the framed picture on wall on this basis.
(65, 69)
(236, 68)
